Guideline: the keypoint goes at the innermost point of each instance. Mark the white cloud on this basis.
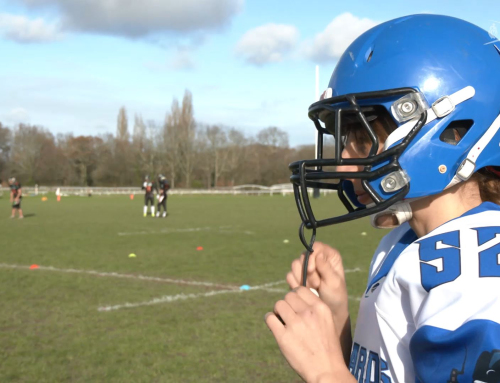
(16, 116)
(131, 18)
(24, 30)
(337, 36)
(267, 43)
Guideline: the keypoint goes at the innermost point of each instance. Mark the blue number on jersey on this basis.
(488, 258)
(440, 256)
(445, 249)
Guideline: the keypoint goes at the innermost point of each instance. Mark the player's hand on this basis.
(308, 338)
(325, 273)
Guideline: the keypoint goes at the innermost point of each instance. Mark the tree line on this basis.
(189, 153)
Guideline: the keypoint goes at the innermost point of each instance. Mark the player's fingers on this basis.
(292, 281)
(274, 324)
(313, 280)
(286, 313)
(297, 270)
(306, 295)
(295, 301)
(329, 265)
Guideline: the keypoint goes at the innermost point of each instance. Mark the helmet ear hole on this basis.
(455, 131)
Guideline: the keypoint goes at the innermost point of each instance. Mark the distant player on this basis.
(163, 187)
(16, 194)
(150, 188)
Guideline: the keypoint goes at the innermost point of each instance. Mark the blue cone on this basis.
(244, 287)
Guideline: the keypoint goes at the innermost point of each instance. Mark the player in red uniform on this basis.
(16, 194)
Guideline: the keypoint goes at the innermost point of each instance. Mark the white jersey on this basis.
(431, 311)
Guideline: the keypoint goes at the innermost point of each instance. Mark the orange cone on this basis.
(58, 198)
(199, 248)
(131, 196)
(32, 267)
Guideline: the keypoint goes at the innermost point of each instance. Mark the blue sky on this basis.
(70, 65)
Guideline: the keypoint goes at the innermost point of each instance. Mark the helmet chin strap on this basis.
(400, 210)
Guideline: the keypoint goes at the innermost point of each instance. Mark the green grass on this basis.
(50, 326)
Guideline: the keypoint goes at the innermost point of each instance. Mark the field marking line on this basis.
(167, 298)
(177, 297)
(355, 270)
(128, 276)
(173, 298)
(148, 278)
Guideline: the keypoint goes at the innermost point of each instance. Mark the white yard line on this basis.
(355, 270)
(269, 285)
(128, 276)
(166, 298)
(177, 297)
(153, 279)
(173, 298)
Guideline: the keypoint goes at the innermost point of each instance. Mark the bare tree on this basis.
(105, 174)
(154, 149)
(171, 141)
(27, 147)
(237, 153)
(141, 149)
(274, 152)
(5, 144)
(122, 125)
(217, 151)
(82, 153)
(188, 152)
(122, 163)
(273, 137)
(187, 131)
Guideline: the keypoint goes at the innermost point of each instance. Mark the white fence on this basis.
(281, 189)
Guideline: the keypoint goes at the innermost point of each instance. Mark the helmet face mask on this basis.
(440, 94)
(333, 116)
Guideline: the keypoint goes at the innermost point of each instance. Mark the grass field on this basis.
(99, 316)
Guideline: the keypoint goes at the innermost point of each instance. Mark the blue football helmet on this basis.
(431, 74)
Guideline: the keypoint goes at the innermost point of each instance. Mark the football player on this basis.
(149, 188)
(163, 187)
(414, 106)
(16, 195)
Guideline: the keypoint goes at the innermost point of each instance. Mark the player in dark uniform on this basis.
(16, 194)
(150, 188)
(164, 185)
